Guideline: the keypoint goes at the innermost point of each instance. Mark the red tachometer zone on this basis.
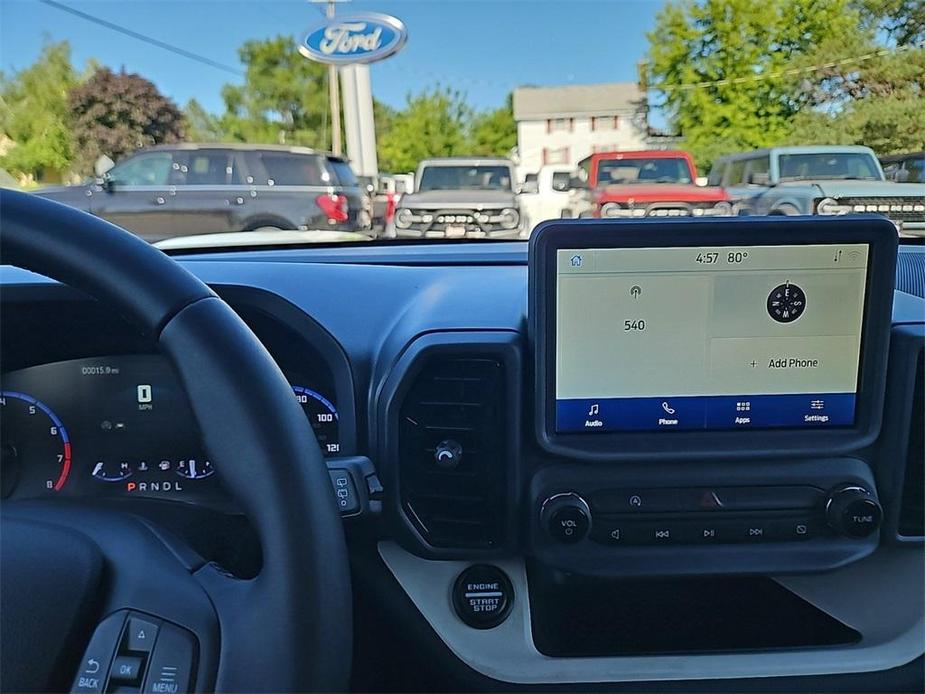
(65, 467)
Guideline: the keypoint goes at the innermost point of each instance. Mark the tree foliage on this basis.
(34, 114)
(284, 98)
(432, 124)
(200, 125)
(902, 20)
(744, 50)
(115, 113)
(880, 103)
(828, 72)
(494, 132)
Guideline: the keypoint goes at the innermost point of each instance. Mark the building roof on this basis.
(536, 103)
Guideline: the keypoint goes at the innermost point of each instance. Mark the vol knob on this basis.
(853, 511)
(566, 517)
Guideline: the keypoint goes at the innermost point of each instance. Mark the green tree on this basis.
(284, 98)
(494, 132)
(200, 125)
(743, 49)
(34, 115)
(879, 103)
(902, 20)
(115, 113)
(432, 124)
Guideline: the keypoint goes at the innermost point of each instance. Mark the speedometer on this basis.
(323, 417)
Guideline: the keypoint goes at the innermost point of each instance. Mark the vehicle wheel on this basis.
(785, 210)
(267, 228)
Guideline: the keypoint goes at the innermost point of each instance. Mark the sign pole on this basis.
(334, 95)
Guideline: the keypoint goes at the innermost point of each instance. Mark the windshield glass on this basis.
(455, 120)
(828, 165)
(620, 171)
(465, 178)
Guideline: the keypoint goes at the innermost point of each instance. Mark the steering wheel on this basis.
(70, 573)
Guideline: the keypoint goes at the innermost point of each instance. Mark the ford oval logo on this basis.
(356, 38)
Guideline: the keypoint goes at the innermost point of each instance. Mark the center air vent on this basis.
(453, 452)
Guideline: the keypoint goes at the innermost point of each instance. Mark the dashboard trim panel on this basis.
(889, 615)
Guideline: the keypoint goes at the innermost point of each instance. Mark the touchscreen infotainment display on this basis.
(708, 338)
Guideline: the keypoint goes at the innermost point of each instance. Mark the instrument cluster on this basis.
(119, 426)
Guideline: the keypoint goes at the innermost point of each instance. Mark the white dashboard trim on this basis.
(890, 615)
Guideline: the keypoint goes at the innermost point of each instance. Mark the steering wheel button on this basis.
(171, 668)
(126, 668)
(140, 634)
(94, 666)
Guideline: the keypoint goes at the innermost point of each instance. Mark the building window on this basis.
(555, 125)
(555, 156)
(605, 123)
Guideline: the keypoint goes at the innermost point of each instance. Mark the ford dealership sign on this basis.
(357, 38)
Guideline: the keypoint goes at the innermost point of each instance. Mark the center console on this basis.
(702, 399)
(679, 472)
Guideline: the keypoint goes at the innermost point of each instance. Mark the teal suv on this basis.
(826, 180)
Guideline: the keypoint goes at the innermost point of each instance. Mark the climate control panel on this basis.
(621, 521)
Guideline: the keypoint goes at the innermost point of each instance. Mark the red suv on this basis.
(648, 183)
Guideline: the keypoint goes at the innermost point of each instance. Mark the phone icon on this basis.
(668, 408)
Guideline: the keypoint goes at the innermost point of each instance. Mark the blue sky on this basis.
(484, 48)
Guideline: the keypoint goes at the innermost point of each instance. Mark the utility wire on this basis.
(781, 73)
(146, 39)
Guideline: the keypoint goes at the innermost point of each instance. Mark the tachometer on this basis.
(32, 437)
(323, 417)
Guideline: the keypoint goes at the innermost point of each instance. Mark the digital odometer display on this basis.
(715, 338)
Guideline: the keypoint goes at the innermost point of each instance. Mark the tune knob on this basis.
(566, 517)
(853, 511)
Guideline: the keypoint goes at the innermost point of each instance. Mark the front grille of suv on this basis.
(485, 221)
(900, 209)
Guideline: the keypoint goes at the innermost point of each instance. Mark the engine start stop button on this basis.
(483, 596)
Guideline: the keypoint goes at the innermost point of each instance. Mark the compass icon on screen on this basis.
(786, 303)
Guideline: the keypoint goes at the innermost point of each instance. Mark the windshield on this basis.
(465, 178)
(621, 171)
(454, 120)
(796, 167)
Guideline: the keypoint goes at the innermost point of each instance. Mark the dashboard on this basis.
(536, 433)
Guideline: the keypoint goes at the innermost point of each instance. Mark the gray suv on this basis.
(188, 189)
(459, 197)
